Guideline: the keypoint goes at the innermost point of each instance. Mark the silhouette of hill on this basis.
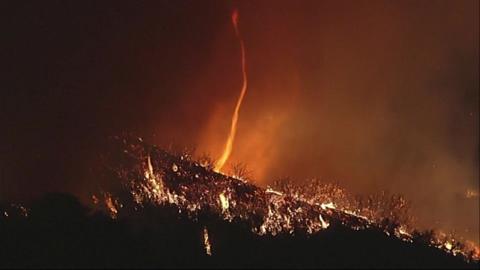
(60, 232)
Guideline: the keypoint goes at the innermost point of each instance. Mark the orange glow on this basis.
(233, 128)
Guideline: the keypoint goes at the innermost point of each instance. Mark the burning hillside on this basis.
(151, 176)
(171, 211)
(378, 104)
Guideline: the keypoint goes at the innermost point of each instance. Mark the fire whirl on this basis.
(233, 128)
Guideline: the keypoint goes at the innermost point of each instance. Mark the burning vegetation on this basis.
(165, 208)
(153, 177)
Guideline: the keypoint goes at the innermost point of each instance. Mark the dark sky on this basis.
(372, 94)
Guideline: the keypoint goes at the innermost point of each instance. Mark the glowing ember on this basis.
(24, 211)
(271, 191)
(329, 205)
(15, 210)
(95, 200)
(206, 242)
(324, 223)
(112, 205)
(233, 128)
(175, 168)
(224, 202)
(471, 194)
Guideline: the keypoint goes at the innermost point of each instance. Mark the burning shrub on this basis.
(151, 176)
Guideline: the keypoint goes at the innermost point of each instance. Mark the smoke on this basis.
(373, 94)
(377, 96)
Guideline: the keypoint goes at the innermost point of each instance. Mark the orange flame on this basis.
(233, 128)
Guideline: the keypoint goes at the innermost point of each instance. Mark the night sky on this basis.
(376, 95)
